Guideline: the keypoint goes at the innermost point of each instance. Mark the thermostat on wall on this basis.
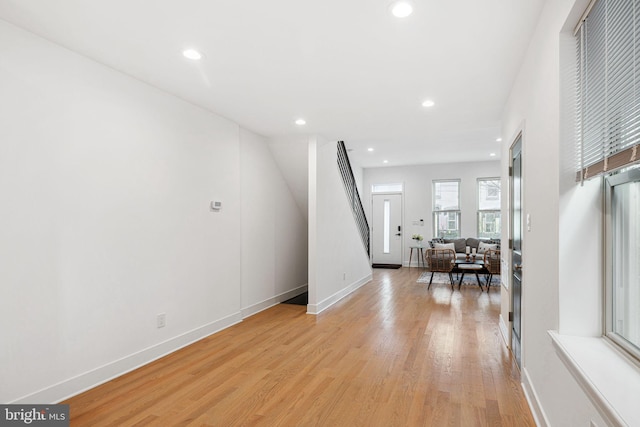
(216, 206)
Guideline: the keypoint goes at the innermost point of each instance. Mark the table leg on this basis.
(478, 279)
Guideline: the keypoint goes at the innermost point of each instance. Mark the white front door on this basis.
(386, 239)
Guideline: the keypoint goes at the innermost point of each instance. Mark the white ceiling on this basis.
(352, 70)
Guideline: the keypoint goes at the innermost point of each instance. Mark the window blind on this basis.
(608, 87)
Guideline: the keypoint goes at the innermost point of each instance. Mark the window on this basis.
(386, 232)
(608, 91)
(623, 260)
(608, 135)
(446, 208)
(386, 188)
(489, 224)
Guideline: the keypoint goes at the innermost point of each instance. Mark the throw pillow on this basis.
(460, 244)
(483, 247)
(435, 240)
(445, 246)
(472, 242)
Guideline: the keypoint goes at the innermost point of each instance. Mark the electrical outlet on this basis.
(162, 320)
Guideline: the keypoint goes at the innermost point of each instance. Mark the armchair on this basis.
(492, 264)
(440, 261)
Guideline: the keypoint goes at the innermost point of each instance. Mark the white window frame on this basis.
(439, 212)
(387, 188)
(610, 309)
(607, 119)
(482, 212)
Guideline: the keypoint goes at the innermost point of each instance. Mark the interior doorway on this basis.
(515, 246)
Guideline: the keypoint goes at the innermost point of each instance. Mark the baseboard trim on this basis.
(90, 379)
(533, 400)
(504, 331)
(328, 302)
(270, 302)
(414, 264)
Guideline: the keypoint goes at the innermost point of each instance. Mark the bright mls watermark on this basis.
(34, 415)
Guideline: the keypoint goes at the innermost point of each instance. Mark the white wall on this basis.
(291, 155)
(274, 230)
(561, 240)
(105, 222)
(338, 262)
(418, 189)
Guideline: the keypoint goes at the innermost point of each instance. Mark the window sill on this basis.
(609, 379)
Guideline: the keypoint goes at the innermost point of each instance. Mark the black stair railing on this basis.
(352, 194)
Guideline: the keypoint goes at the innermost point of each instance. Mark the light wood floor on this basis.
(390, 354)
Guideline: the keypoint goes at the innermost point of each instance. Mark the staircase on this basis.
(354, 198)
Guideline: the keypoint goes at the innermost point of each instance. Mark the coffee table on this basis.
(474, 266)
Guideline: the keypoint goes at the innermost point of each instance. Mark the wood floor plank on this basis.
(391, 354)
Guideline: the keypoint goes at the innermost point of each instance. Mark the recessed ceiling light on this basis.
(385, 161)
(498, 139)
(369, 149)
(192, 54)
(301, 122)
(401, 9)
(428, 103)
(492, 154)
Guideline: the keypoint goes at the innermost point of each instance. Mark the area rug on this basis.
(469, 279)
